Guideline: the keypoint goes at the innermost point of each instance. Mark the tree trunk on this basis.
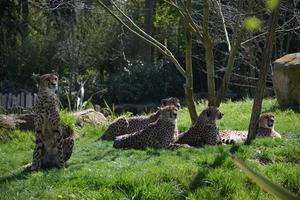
(189, 96)
(25, 14)
(209, 56)
(229, 68)
(261, 84)
(148, 25)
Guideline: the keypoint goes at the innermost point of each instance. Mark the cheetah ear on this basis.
(55, 73)
(163, 102)
(36, 77)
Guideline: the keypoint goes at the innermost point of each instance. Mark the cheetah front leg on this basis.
(60, 151)
(37, 153)
(68, 144)
(39, 145)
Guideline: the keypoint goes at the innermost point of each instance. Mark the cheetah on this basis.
(133, 124)
(232, 136)
(158, 134)
(51, 148)
(204, 131)
(266, 125)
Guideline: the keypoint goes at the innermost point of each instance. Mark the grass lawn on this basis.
(98, 171)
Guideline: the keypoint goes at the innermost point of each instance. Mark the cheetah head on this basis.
(210, 115)
(115, 128)
(47, 82)
(170, 101)
(266, 120)
(168, 113)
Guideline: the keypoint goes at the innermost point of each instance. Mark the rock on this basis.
(286, 80)
(89, 116)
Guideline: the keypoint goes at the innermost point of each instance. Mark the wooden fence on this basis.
(23, 100)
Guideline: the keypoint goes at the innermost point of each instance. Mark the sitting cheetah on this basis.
(204, 131)
(266, 124)
(158, 134)
(122, 126)
(51, 148)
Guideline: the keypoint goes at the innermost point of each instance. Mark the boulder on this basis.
(286, 80)
(89, 116)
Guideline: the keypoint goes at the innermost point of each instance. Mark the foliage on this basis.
(67, 119)
(150, 82)
(97, 170)
(272, 4)
(252, 23)
(263, 182)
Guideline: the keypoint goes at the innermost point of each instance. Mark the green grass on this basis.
(98, 171)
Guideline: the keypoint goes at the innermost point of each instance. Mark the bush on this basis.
(144, 82)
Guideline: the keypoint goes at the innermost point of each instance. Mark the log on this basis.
(17, 121)
(26, 121)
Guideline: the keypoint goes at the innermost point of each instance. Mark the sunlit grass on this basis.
(98, 171)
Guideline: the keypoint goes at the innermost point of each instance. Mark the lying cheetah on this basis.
(133, 124)
(204, 131)
(51, 148)
(158, 134)
(266, 124)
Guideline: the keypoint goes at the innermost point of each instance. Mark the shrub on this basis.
(144, 82)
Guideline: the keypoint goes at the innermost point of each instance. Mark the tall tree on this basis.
(137, 31)
(265, 67)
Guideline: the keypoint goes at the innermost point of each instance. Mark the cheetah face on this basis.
(210, 115)
(119, 126)
(48, 82)
(170, 101)
(266, 120)
(168, 113)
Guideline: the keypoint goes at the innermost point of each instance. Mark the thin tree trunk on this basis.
(229, 67)
(261, 84)
(148, 25)
(209, 56)
(137, 31)
(25, 14)
(189, 96)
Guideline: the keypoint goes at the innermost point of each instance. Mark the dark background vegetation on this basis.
(85, 45)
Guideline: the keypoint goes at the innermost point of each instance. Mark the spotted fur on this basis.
(158, 134)
(204, 131)
(266, 125)
(51, 148)
(123, 126)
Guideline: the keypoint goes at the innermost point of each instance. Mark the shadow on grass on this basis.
(277, 107)
(21, 175)
(201, 178)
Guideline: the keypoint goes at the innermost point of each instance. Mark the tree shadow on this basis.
(277, 107)
(201, 179)
(21, 175)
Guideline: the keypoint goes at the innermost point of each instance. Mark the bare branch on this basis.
(224, 25)
(144, 36)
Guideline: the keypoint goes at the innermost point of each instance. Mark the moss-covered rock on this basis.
(286, 80)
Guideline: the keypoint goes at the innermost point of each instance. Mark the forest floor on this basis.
(98, 171)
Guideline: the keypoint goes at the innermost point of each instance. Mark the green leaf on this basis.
(272, 4)
(252, 23)
(263, 182)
